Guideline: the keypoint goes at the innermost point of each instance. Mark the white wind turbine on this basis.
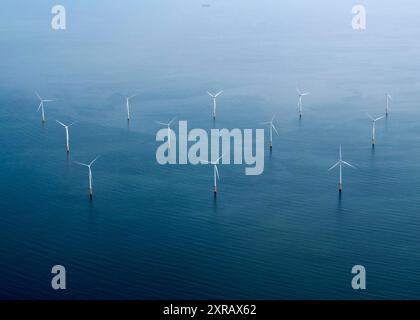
(169, 130)
(127, 104)
(41, 105)
(300, 105)
(271, 130)
(373, 126)
(67, 134)
(90, 173)
(214, 96)
(215, 171)
(388, 97)
(340, 163)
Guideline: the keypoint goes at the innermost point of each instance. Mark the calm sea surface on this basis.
(157, 232)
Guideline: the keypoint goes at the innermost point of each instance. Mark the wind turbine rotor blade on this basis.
(211, 95)
(274, 128)
(348, 164)
(218, 94)
(171, 121)
(61, 123)
(204, 162)
(80, 163)
(298, 91)
(379, 118)
(371, 118)
(37, 94)
(161, 123)
(94, 160)
(48, 100)
(217, 172)
(39, 107)
(305, 94)
(72, 123)
(334, 166)
(219, 158)
(268, 122)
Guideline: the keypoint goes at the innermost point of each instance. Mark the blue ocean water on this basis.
(157, 232)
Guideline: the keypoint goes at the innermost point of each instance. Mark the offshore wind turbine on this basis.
(388, 97)
(271, 130)
(67, 134)
(41, 105)
(169, 130)
(90, 173)
(127, 104)
(215, 171)
(214, 96)
(373, 127)
(300, 105)
(340, 163)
